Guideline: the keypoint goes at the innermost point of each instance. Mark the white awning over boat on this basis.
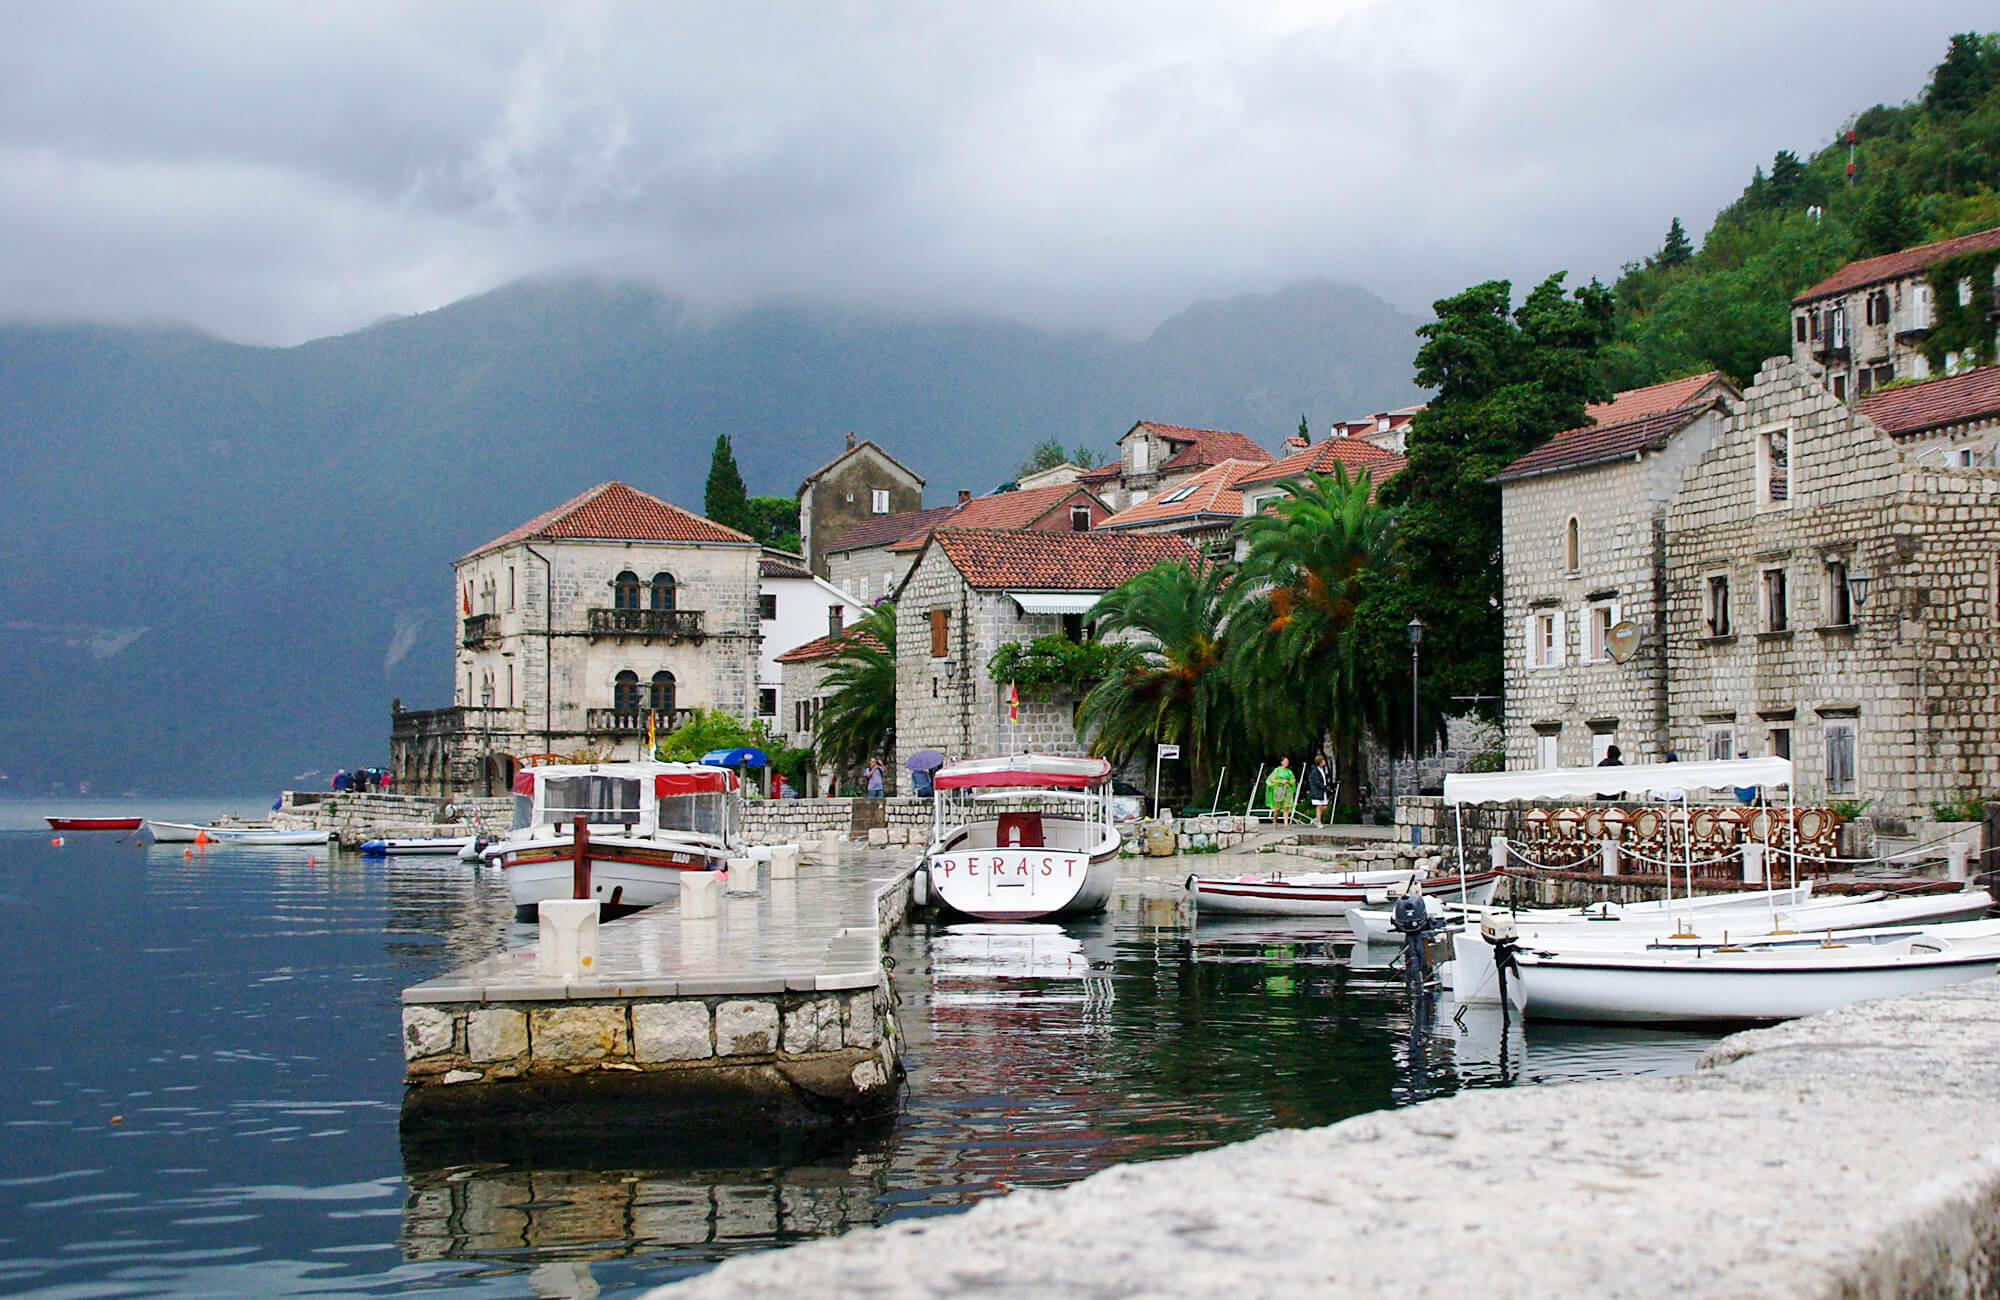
(1055, 602)
(1638, 780)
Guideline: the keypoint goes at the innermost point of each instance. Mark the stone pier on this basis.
(775, 1010)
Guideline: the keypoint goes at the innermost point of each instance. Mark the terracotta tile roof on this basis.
(616, 512)
(883, 530)
(770, 568)
(827, 647)
(1109, 470)
(1204, 446)
(1652, 399)
(1594, 444)
(1895, 266)
(1017, 509)
(1056, 561)
(1322, 456)
(1211, 492)
(1951, 399)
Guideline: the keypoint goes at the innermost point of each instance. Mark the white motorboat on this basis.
(419, 845)
(1022, 837)
(1371, 921)
(172, 832)
(1326, 893)
(642, 826)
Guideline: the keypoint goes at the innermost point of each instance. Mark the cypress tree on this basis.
(1676, 250)
(726, 501)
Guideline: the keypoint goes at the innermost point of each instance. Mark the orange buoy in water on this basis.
(56, 843)
(201, 837)
(187, 853)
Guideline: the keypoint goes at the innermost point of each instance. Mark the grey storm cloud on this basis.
(277, 172)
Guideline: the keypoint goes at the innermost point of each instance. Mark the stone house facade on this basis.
(874, 558)
(1583, 546)
(863, 482)
(972, 590)
(1205, 509)
(1154, 458)
(576, 628)
(1833, 595)
(1867, 325)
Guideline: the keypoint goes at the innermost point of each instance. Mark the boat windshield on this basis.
(602, 799)
(524, 812)
(699, 814)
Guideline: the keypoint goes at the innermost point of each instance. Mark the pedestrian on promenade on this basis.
(1318, 782)
(877, 778)
(1281, 790)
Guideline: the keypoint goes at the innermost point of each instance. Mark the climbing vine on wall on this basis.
(1961, 327)
(1051, 663)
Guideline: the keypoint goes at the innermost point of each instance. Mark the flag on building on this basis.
(1013, 702)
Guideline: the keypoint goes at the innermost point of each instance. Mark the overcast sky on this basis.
(277, 172)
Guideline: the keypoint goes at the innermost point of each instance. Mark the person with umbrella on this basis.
(922, 764)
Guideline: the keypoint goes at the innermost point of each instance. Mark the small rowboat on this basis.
(423, 845)
(1325, 893)
(263, 835)
(172, 832)
(95, 823)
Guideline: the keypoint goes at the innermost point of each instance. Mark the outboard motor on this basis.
(1499, 930)
(1411, 918)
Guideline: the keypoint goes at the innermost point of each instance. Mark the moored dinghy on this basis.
(1010, 863)
(418, 845)
(1325, 893)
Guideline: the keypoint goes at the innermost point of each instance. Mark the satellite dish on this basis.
(1624, 639)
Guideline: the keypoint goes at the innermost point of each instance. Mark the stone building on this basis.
(860, 561)
(1831, 590)
(1870, 323)
(804, 669)
(1389, 430)
(972, 590)
(1155, 458)
(794, 607)
(1206, 509)
(863, 482)
(1583, 549)
(1265, 484)
(577, 627)
(874, 558)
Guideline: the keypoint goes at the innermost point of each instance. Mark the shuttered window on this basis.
(940, 633)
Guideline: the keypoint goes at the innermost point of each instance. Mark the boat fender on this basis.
(1188, 884)
(920, 886)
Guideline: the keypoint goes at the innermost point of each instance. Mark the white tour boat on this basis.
(643, 825)
(419, 845)
(1325, 893)
(995, 857)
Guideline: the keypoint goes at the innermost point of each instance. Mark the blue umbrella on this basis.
(924, 760)
(741, 757)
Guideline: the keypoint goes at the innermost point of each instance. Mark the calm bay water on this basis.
(203, 1080)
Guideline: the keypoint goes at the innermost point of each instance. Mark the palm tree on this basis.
(858, 721)
(1167, 685)
(1293, 653)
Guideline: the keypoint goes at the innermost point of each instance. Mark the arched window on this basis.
(662, 700)
(625, 690)
(1572, 553)
(663, 591)
(625, 590)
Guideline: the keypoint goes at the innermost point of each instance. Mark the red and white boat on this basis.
(1022, 837)
(644, 825)
(1325, 893)
(95, 823)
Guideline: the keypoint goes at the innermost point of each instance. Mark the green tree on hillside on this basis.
(1049, 453)
(1970, 68)
(1888, 221)
(726, 501)
(1675, 250)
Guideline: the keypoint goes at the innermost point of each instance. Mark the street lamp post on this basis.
(1416, 630)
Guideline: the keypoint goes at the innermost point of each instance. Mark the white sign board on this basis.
(1169, 751)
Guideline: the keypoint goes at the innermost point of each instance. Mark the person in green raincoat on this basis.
(1281, 790)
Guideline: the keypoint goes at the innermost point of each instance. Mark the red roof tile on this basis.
(1896, 266)
(1204, 446)
(1322, 456)
(616, 512)
(1594, 444)
(770, 568)
(1046, 560)
(827, 647)
(1021, 508)
(1211, 492)
(1109, 470)
(884, 530)
(1654, 398)
(1934, 403)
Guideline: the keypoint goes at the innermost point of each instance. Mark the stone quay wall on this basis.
(1851, 1154)
(355, 819)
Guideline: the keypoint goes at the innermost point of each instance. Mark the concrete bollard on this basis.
(784, 861)
(698, 891)
(1956, 854)
(1753, 864)
(742, 876)
(567, 948)
(1497, 851)
(1607, 852)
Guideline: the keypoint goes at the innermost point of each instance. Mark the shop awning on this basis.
(1055, 602)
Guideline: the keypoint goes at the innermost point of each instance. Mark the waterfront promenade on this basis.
(1851, 1154)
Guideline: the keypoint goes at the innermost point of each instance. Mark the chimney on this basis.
(850, 441)
(835, 619)
(964, 495)
(1296, 443)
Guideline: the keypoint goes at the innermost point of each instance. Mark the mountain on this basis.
(222, 562)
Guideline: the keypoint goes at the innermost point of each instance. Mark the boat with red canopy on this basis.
(95, 823)
(1022, 837)
(644, 824)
